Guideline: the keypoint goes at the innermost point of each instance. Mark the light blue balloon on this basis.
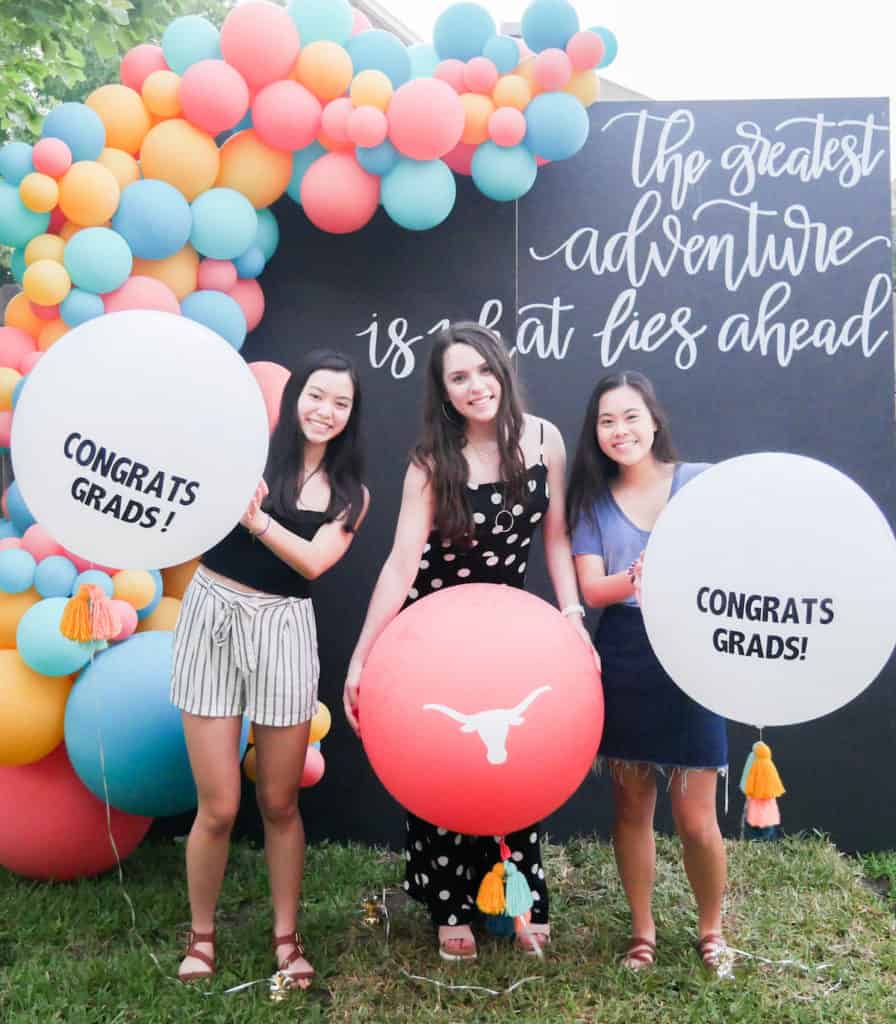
(378, 159)
(503, 52)
(15, 161)
(55, 576)
(18, 224)
(302, 159)
(424, 60)
(557, 126)
(17, 264)
(611, 45)
(219, 312)
(549, 24)
(16, 570)
(153, 218)
(41, 645)
(419, 194)
(224, 224)
(17, 390)
(322, 19)
(79, 127)
(17, 509)
(188, 40)
(267, 238)
(251, 263)
(98, 260)
(8, 529)
(504, 173)
(461, 31)
(157, 596)
(96, 578)
(379, 50)
(79, 306)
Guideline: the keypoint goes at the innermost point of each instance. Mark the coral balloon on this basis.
(248, 295)
(585, 50)
(180, 271)
(217, 275)
(142, 293)
(15, 345)
(39, 543)
(179, 153)
(334, 120)
(161, 94)
(338, 195)
(19, 314)
(314, 768)
(287, 116)
(44, 247)
(139, 63)
(88, 193)
(553, 70)
(52, 157)
(123, 166)
(325, 69)
(260, 172)
(164, 616)
(123, 114)
(460, 159)
(453, 73)
(32, 711)
(272, 380)
(477, 111)
(46, 282)
(480, 75)
(426, 119)
(507, 126)
(45, 312)
(12, 608)
(367, 126)
(213, 96)
(371, 88)
(51, 333)
(261, 41)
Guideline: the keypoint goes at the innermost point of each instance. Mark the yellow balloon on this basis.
(8, 380)
(161, 94)
(12, 608)
(176, 579)
(163, 616)
(19, 314)
(32, 710)
(124, 115)
(122, 165)
(512, 91)
(477, 110)
(526, 70)
(251, 740)
(39, 192)
(320, 724)
(249, 764)
(177, 152)
(136, 586)
(46, 282)
(585, 86)
(258, 171)
(371, 88)
(44, 247)
(88, 193)
(325, 69)
(51, 333)
(180, 271)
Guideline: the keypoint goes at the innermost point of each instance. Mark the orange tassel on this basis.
(763, 781)
(105, 622)
(75, 624)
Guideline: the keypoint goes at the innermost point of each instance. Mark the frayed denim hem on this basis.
(618, 766)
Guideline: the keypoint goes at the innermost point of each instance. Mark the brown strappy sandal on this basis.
(710, 949)
(192, 939)
(298, 953)
(639, 953)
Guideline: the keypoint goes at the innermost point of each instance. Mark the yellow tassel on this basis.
(490, 898)
(75, 624)
(763, 781)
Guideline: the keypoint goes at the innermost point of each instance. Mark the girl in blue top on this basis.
(624, 473)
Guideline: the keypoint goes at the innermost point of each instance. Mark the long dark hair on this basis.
(440, 449)
(343, 457)
(592, 470)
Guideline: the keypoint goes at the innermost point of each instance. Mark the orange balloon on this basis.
(371, 88)
(585, 86)
(44, 247)
(19, 314)
(122, 165)
(258, 171)
(161, 94)
(51, 333)
(8, 380)
(176, 578)
(32, 711)
(39, 192)
(526, 70)
(250, 766)
(124, 115)
(176, 152)
(180, 271)
(136, 586)
(332, 145)
(477, 110)
(324, 68)
(12, 608)
(69, 229)
(46, 282)
(163, 616)
(88, 193)
(512, 91)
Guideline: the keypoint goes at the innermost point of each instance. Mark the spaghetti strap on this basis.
(541, 445)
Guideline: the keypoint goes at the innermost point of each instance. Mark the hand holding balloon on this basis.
(350, 694)
(579, 626)
(251, 518)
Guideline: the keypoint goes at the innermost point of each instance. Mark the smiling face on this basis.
(325, 405)
(470, 383)
(625, 428)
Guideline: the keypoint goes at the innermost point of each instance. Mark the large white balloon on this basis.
(769, 589)
(138, 439)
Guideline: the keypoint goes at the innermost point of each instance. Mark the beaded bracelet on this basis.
(267, 526)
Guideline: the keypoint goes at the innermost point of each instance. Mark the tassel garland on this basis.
(90, 617)
(761, 785)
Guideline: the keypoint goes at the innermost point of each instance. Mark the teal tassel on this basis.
(518, 895)
(745, 773)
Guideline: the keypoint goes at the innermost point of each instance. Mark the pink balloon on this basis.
(525, 52)
(334, 122)
(217, 275)
(5, 428)
(29, 361)
(4, 503)
(286, 115)
(314, 767)
(361, 22)
(14, 345)
(39, 543)
(368, 126)
(10, 542)
(426, 119)
(338, 195)
(452, 72)
(261, 41)
(45, 312)
(142, 293)
(585, 50)
(249, 297)
(541, 161)
(507, 126)
(57, 219)
(480, 75)
(553, 70)
(213, 96)
(138, 64)
(127, 614)
(460, 159)
(53, 157)
(272, 378)
(83, 564)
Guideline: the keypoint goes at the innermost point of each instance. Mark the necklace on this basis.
(505, 525)
(306, 476)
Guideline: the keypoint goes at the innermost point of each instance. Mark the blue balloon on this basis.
(98, 260)
(378, 159)
(424, 60)
(461, 31)
(17, 264)
(97, 578)
(549, 24)
(55, 576)
(379, 50)
(267, 238)
(302, 159)
(41, 645)
(15, 162)
(419, 194)
(17, 390)
(611, 45)
(157, 597)
(8, 529)
(219, 312)
(503, 52)
(18, 224)
(153, 218)
(79, 127)
(251, 263)
(504, 173)
(188, 40)
(17, 509)
(557, 126)
(16, 570)
(79, 306)
(224, 224)
(322, 19)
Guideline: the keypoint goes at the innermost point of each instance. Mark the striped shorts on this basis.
(237, 653)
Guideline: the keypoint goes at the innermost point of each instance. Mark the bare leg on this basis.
(634, 794)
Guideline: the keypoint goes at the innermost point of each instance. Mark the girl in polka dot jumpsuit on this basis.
(482, 480)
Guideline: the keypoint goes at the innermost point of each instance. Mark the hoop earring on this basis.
(446, 413)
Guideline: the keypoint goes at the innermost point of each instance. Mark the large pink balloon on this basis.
(216, 275)
(426, 119)
(138, 64)
(142, 293)
(261, 41)
(39, 543)
(286, 115)
(213, 96)
(248, 295)
(338, 195)
(272, 378)
(368, 126)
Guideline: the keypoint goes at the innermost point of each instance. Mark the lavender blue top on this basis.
(609, 533)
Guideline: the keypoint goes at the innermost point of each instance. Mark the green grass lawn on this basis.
(68, 952)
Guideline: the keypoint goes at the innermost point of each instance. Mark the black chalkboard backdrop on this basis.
(778, 177)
